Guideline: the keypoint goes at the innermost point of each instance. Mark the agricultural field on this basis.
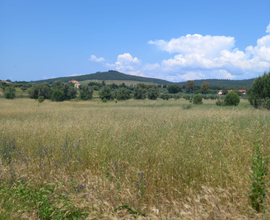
(135, 159)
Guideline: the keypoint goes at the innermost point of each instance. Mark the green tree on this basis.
(123, 94)
(232, 98)
(58, 95)
(174, 88)
(190, 86)
(153, 93)
(165, 96)
(9, 92)
(259, 91)
(86, 92)
(139, 92)
(205, 87)
(43, 89)
(197, 100)
(105, 92)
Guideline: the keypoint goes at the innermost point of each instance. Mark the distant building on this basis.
(76, 83)
(240, 91)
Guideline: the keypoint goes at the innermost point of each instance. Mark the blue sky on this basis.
(173, 39)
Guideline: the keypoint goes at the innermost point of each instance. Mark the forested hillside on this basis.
(115, 75)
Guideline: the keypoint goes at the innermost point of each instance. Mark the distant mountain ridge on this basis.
(115, 75)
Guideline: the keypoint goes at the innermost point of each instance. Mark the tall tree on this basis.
(190, 86)
(205, 87)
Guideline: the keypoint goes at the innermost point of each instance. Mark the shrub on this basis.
(86, 92)
(174, 88)
(153, 93)
(123, 94)
(197, 100)
(58, 96)
(104, 100)
(105, 92)
(266, 103)
(43, 89)
(165, 96)
(219, 102)
(139, 92)
(41, 99)
(232, 99)
(188, 106)
(9, 93)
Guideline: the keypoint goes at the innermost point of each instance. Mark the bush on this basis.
(139, 92)
(153, 93)
(43, 89)
(123, 94)
(86, 92)
(219, 102)
(232, 99)
(165, 96)
(187, 106)
(105, 92)
(174, 88)
(197, 100)
(58, 96)
(9, 93)
(104, 100)
(41, 99)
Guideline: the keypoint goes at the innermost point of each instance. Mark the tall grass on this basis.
(152, 156)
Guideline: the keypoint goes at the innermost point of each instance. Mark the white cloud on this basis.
(127, 64)
(268, 29)
(95, 59)
(203, 45)
(201, 57)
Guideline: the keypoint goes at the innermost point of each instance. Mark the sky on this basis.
(175, 40)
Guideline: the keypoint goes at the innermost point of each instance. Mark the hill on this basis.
(110, 75)
(220, 83)
(116, 76)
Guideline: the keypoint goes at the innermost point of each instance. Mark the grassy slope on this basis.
(195, 162)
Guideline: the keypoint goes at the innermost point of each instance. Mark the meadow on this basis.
(129, 160)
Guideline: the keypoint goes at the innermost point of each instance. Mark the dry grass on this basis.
(195, 162)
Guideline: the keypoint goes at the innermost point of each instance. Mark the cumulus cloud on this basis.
(127, 64)
(201, 57)
(95, 59)
(268, 29)
(203, 45)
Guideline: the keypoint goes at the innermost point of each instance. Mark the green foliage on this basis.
(259, 91)
(175, 88)
(266, 104)
(58, 96)
(165, 96)
(9, 92)
(153, 93)
(197, 100)
(258, 179)
(219, 102)
(187, 97)
(86, 92)
(40, 90)
(140, 92)
(41, 99)
(105, 92)
(188, 106)
(104, 100)
(205, 87)
(123, 94)
(232, 98)
(67, 88)
(177, 96)
(190, 86)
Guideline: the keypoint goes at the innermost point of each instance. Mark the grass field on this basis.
(129, 160)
